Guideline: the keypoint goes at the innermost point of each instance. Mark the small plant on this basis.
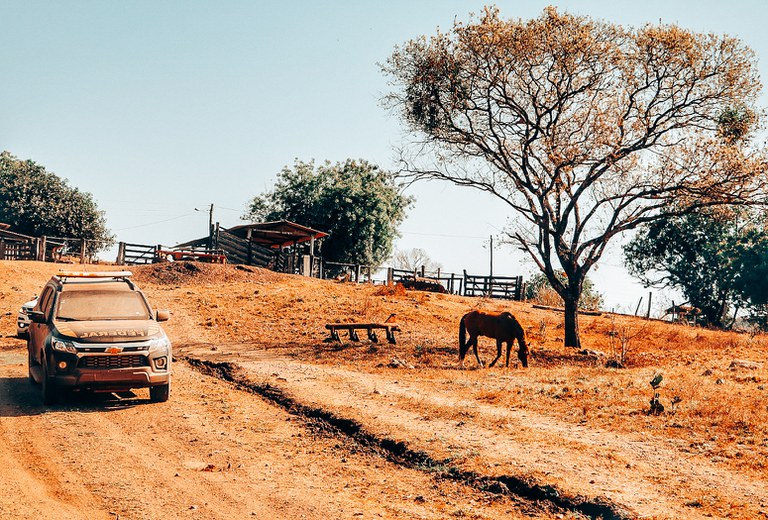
(620, 339)
(656, 406)
(424, 354)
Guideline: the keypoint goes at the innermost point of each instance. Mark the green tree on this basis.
(37, 202)
(584, 128)
(357, 203)
(717, 259)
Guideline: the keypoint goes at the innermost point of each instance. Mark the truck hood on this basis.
(109, 331)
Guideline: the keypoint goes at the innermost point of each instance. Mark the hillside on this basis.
(567, 436)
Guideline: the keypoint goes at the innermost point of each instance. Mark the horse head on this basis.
(522, 352)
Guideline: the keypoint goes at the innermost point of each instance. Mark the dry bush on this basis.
(390, 290)
(620, 339)
(426, 356)
(370, 309)
(547, 296)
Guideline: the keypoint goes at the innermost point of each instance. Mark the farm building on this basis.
(282, 246)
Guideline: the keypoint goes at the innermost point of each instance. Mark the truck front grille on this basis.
(108, 362)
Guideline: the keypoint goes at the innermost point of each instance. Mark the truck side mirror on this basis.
(163, 315)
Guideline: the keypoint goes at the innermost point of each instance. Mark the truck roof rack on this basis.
(94, 274)
(81, 277)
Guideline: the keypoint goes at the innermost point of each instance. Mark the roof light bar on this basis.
(94, 274)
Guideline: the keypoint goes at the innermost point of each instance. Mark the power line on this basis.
(153, 223)
(440, 235)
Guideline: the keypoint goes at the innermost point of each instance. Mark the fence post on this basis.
(390, 275)
(648, 314)
(82, 251)
(43, 247)
(120, 260)
(465, 283)
(357, 273)
(2, 249)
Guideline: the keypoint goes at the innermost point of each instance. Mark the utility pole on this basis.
(490, 274)
(210, 225)
(491, 249)
(210, 221)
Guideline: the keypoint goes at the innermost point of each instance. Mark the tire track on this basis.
(397, 452)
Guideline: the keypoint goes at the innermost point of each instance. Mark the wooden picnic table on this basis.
(352, 329)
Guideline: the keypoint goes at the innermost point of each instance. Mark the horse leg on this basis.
(509, 349)
(473, 340)
(498, 353)
(463, 349)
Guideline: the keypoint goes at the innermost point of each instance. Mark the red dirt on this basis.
(267, 420)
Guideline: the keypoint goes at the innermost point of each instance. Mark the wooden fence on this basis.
(355, 272)
(45, 249)
(504, 287)
(54, 249)
(452, 283)
(136, 254)
(241, 251)
(236, 250)
(13, 250)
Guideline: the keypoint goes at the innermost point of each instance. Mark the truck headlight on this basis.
(159, 344)
(63, 346)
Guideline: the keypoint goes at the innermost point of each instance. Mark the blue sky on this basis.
(161, 107)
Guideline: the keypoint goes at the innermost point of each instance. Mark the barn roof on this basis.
(277, 234)
(10, 235)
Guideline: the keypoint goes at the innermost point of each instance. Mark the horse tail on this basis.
(462, 337)
(522, 347)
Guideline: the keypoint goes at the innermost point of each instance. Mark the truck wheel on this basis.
(30, 360)
(48, 389)
(159, 394)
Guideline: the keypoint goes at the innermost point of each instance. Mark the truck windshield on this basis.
(101, 305)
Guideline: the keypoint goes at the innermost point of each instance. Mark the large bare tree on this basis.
(584, 128)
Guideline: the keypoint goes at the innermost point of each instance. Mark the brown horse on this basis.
(503, 327)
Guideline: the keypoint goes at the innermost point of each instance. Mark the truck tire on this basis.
(30, 360)
(159, 394)
(48, 389)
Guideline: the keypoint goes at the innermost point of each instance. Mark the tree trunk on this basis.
(572, 322)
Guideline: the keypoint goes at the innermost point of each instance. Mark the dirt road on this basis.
(264, 447)
(211, 452)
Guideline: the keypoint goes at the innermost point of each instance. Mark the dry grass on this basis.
(710, 409)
